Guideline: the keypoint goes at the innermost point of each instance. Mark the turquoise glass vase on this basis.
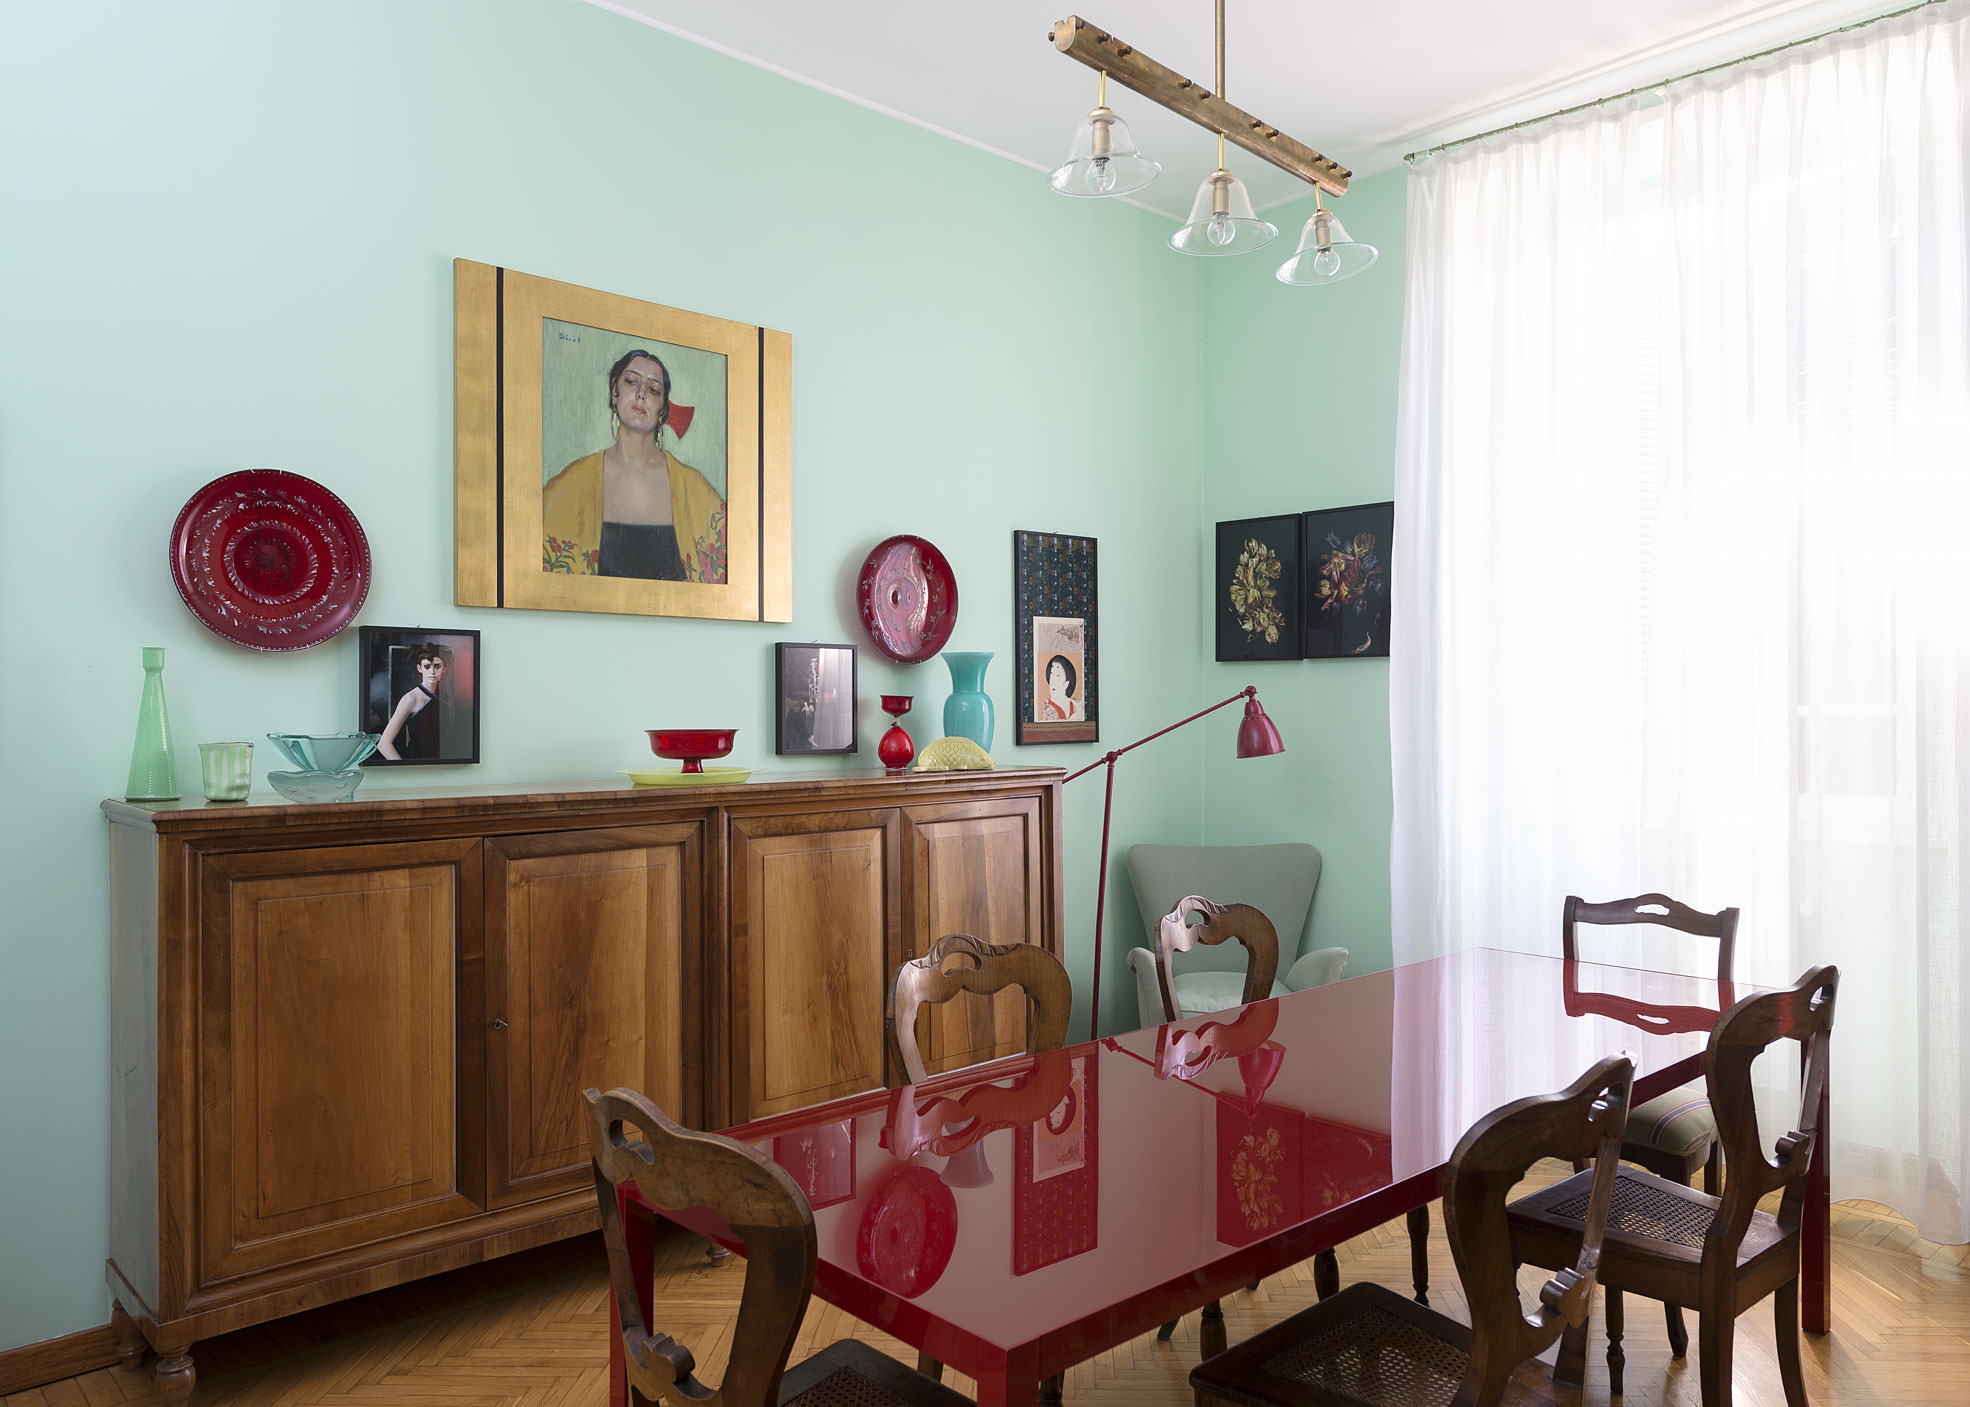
(153, 766)
(968, 712)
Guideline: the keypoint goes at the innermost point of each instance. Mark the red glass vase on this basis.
(895, 750)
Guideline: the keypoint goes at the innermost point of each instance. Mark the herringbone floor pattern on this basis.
(531, 1331)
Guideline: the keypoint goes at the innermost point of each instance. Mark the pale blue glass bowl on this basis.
(329, 763)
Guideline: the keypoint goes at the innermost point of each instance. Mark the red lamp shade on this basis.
(1256, 735)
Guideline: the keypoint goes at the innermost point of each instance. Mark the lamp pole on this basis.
(1257, 737)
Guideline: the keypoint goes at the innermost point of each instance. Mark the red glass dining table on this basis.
(1015, 1218)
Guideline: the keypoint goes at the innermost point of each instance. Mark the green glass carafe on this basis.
(153, 766)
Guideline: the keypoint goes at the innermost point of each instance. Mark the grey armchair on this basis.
(1278, 880)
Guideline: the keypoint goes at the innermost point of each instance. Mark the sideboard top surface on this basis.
(270, 810)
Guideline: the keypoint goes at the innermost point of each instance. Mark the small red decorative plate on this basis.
(270, 560)
(908, 1232)
(909, 599)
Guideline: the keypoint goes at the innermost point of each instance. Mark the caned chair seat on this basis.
(1650, 1219)
(852, 1374)
(1366, 1345)
(1679, 1122)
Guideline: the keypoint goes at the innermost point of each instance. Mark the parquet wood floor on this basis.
(531, 1331)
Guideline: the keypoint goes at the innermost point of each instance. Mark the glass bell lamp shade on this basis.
(1222, 221)
(1326, 254)
(1103, 159)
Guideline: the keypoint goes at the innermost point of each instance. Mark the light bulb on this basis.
(1220, 231)
(1327, 263)
(1100, 177)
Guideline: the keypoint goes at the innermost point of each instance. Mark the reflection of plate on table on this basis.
(909, 599)
(908, 1232)
(270, 560)
(665, 777)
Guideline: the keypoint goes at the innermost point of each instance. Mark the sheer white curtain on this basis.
(1683, 484)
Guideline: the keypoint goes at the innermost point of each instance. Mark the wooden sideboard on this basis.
(348, 1039)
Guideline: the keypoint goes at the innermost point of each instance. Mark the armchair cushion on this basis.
(1674, 1122)
(1198, 993)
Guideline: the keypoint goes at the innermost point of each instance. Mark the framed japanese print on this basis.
(1053, 613)
(816, 693)
(1347, 581)
(615, 455)
(1257, 589)
(418, 690)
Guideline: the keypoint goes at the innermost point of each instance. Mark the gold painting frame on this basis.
(499, 392)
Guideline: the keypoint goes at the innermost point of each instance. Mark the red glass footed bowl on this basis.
(691, 746)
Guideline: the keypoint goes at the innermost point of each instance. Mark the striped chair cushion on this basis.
(1674, 1122)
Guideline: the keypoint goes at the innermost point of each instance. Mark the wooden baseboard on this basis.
(34, 1364)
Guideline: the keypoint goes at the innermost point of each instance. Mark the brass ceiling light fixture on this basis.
(1222, 220)
(1103, 159)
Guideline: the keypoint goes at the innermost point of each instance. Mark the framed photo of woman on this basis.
(1053, 612)
(617, 455)
(815, 686)
(418, 690)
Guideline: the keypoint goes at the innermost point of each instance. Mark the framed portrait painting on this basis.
(1053, 612)
(1347, 581)
(816, 693)
(418, 690)
(1257, 589)
(616, 455)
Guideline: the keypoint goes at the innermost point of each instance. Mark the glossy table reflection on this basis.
(1019, 1217)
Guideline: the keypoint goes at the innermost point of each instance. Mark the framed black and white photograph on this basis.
(1054, 626)
(418, 690)
(1347, 581)
(1258, 588)
(815, 686)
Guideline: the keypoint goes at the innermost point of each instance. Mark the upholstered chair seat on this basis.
(1678, 1122)
(1200, 993)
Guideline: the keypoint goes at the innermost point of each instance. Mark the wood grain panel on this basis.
(976, 870)
(585, 988)
(812, 911)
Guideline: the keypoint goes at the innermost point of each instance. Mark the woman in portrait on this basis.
(634, 509)
(412, 731)
(1060, 706)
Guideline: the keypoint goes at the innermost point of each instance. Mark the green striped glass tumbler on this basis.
(228, 770)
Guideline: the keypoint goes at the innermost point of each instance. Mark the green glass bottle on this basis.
(153, 766)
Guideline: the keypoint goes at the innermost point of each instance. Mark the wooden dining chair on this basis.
(676, 1168)
(1675, 1133)
(984, 968)
(1716, 1255)
(1370, 1345)
(1221, 923)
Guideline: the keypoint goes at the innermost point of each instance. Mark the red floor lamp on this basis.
(1256, 738)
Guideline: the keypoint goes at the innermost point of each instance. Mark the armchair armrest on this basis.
(1148, 995)
(1314, 969)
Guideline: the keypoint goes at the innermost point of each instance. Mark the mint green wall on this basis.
(228, 243)
(1298, 412)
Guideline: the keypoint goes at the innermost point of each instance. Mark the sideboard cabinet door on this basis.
(975, 867)
(335, 1012)
(815, 934)
(592, 947)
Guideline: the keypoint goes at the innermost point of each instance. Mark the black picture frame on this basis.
(1347, 582)
(1055, 613)
(388, 669)
(1256, 588)
(806, 707)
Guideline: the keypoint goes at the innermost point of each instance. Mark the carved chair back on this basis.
(676, 1168)
(1663, 912)
(984, 968)
(1802, 1012)
(1584, 1120)
(1176, 934)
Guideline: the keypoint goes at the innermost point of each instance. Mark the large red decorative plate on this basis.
(908, 1232)
(270, 560)
(909, 599)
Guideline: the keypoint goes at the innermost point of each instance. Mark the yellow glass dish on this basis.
(710, 777)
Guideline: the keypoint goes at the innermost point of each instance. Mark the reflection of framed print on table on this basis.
(815, 686)
(1257, 589)
(1056, 1199)
(418, 690)
(615, 455)
(1053, 611)
(1347, 581)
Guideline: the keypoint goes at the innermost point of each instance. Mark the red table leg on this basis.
(639, 1234)
(1007, 1389)
(1816, 1235)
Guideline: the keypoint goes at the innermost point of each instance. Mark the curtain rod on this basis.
(1425, 152)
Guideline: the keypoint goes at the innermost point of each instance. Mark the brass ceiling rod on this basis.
(1134, 70)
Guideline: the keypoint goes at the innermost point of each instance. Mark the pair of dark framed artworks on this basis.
(1307, 586)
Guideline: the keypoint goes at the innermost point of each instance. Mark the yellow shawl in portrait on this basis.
(571, 520)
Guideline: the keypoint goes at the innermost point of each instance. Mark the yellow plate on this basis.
(710, 777)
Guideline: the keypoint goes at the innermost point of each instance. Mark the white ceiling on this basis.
(1363, 82)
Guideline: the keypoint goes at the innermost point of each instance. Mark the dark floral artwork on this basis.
(1258, 589)
(1348, 583)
